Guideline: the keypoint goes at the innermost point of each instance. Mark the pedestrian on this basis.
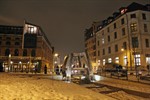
(57, 70)
(45, 69)
(64, 74)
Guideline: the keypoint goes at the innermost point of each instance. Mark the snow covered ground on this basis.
(123, 84)
(33, 87)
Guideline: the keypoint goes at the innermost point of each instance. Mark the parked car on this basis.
(115, 69)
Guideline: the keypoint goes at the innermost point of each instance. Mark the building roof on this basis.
(5, 29)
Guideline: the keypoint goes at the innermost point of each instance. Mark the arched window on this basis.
(8, 43)
(25, 52)
(16, 53)
(33, 53)
(7, 52)
(17, 43)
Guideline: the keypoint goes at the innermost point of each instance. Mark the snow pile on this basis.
(27, 87)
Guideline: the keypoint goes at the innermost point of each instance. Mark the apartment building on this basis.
(124, 37)
(24, 48)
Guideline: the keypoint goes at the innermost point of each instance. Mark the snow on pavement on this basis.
(26, 87)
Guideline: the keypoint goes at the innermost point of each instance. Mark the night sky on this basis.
(63, 21)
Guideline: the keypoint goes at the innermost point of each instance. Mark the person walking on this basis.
(45, 69)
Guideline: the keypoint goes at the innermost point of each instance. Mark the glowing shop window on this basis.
(117, 59)
(125, 60)
(109, 60)
(104, 61)
(147, 60)
(138, 60)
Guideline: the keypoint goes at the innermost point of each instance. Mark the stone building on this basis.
(24, 48)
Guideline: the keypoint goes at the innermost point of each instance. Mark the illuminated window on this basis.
(125, 60)
(99, 62)
(109, 60)
(104, 61)
(133, 27)
(147, 60)
(103, 41)
(117, 59)
(123, 11)
(137, 59)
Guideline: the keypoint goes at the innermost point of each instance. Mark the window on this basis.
(33, 53)
(115, 35)
(8, 38)
(109, 60)
(8, 43)
(17, 38)
(116, 48)
(135, 43)
(7, 52)
(17, 43)
(104, 61)
(143, 16)
(133, 27)
(25, 52)
(137, 59)
(124, 45)
(145, 28)
(114, 25)
(125, 60)
(98, 42)
(122, 21)
(133, 15)
(109, 49)
(98, 53)
(103, 41)
(103, 51)
(16, 53)
(107, 29)
(147, 43)
(108, 38)
(148, 60)
(123, 31)
(117, 60)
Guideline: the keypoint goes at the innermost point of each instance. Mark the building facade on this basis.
(24, 49)
(90, 46)
(124, 37)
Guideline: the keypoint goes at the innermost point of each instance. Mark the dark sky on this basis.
(63, 21)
